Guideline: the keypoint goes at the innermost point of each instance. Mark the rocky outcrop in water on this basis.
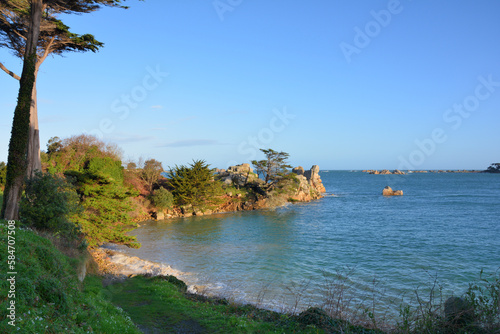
(389, 192)
(252, 193)
(384, 172)
(310, 185)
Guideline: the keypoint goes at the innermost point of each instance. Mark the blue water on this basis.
(446, 228)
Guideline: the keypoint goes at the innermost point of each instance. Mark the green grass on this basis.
(49, 298)
(160, 304)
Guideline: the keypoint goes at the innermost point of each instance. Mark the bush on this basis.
(107, 208)
(195, 185)
(162, 199)
(3, 174)
(48, 203)
(106, 167)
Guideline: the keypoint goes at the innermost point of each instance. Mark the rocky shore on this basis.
(252, 193)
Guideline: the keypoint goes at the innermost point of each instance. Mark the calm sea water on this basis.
(446, 228)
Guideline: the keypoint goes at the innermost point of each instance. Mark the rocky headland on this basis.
(249, 192)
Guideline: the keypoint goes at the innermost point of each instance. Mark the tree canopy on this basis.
(195, 185)
(31, 30)
(274, 167)
(494, 168)
(151, 172)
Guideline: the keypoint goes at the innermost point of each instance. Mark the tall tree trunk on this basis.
(18, 146)
(34, 161)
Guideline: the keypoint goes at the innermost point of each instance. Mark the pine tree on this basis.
(274, 167)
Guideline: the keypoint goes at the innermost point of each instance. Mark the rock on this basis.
(243, 168)
(309, 187)
(398, 172)
(160, 215)
(298, 170)
(314, 179)
(389, 192)
(239, 175)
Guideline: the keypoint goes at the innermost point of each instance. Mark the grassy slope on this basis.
(159, 306)
(49, 298)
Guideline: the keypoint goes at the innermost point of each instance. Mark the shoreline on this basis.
(116, 266)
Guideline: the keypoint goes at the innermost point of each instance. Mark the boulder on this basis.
(389, 192)
(298, 170)
(314, 179)
(243, 168)
(160, 215)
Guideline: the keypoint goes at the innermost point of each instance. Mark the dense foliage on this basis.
(151, 172)
(194, 185)
(162, 199)
(95, 170)
(494, 168)
(49, 204)
(3, 174)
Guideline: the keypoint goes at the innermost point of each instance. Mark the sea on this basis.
(354, 245)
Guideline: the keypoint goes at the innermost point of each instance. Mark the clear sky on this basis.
(342, 84)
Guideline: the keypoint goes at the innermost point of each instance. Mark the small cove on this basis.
(445, 228)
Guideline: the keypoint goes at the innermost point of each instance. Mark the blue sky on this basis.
(342, 84)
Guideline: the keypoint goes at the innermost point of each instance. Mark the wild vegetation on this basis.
(109, 200)
(32, 30)
(194, 186)
(49, 297)
(493, 168)
(95, 171)
(273, 167)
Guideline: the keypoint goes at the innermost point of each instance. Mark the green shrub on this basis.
(162, 198)
(48, 203)
(3, 174)
(107, 208)
(106, 167)
(195, 185)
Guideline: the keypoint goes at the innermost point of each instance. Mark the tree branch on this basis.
(46, 52)
(12, 74)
